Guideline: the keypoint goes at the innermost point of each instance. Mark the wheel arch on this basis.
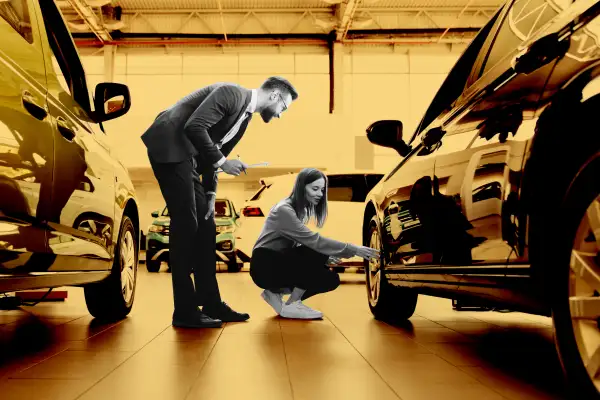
(131, 210)
(557, 153)
(370, 212)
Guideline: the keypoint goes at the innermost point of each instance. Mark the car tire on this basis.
(578, 247)
(387, 302)
(112, 298)
(152, 265)
(234, 266)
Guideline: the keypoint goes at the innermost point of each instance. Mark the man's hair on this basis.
(277, 82)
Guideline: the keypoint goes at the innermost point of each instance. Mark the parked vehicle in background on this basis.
(68, 209)
(346, 195)
(226, 220)
(496, 196)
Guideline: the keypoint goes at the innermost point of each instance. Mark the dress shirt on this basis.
(236, 127)
(234, 130)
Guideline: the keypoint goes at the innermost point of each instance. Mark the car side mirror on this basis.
(155, 214)
(388, 133)
(111, 100)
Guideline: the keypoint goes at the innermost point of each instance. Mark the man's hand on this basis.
(234, 167)
(332, 261)
(211, 205)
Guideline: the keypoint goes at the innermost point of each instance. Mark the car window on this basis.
(16, 13)
(523, 20)
(455, 82)
(350, 188)
(165, 212)
(65, 62)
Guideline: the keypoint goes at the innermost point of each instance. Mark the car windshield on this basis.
(221, 209)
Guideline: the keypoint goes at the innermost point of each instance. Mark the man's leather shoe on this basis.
(196, 320)
(223, 312)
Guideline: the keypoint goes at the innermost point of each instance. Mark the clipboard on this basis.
(262, 164)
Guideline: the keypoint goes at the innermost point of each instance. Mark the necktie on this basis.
(234, 130)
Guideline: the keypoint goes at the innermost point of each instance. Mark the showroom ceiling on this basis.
(112, 22)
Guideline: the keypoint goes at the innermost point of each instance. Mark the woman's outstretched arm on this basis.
(290, 226)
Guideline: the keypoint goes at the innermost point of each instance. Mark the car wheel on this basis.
(576, 283)
(234, 266)
(152, 265)
(112, 298)
(386, 301)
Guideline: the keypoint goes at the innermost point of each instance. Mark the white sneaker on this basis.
(297, 310)
(311, 310)
(275, 300)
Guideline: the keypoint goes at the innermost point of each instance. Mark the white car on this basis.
(346, 202)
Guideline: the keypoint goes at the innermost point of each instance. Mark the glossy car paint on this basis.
(64, 191)
(457, 219)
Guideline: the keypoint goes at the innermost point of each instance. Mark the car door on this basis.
(26, 140)
(414, 227)
(83, 207)
(405, 227)
(484, 178)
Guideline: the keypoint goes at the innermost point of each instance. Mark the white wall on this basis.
(376, 86)
(378, 83)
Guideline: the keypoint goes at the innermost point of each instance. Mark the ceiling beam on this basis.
(344, 13)
(86, 13)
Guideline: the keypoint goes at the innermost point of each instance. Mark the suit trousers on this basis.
(299, 267)
(192, 243)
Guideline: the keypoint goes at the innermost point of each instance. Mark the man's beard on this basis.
(267, 114)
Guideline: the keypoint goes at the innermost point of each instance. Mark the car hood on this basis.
(220, 221)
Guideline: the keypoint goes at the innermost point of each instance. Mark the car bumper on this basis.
(158, 246)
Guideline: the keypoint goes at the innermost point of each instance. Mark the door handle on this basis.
(32, 107)
(64, 129)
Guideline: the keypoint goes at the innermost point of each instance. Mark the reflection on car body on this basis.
(68, 211)
(496, 198)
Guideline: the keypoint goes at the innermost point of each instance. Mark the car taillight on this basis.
(252, 212)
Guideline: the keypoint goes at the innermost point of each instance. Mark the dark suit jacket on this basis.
(193, 126)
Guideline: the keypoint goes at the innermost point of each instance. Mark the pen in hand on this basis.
(243, 169)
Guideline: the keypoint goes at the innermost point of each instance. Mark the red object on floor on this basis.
(38, 294)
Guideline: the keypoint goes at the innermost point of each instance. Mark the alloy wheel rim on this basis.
(374, 269)
(584, 290)
(127, 266)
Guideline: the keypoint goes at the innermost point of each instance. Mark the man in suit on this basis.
(190, 139)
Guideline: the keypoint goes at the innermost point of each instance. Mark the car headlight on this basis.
(225, 228)
(158, 228)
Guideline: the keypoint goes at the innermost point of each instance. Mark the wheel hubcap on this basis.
(127, 266)
(584, 289)
(374, 270)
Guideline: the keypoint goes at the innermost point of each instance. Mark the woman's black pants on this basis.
(299, 267)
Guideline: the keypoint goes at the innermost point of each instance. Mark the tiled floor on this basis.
(56, 351)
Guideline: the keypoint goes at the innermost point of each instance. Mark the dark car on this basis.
(226, 221)
(68, 211)
(495, 199)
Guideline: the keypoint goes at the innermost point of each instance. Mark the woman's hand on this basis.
(368, 253)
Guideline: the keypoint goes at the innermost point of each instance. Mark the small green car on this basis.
(226, 221)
